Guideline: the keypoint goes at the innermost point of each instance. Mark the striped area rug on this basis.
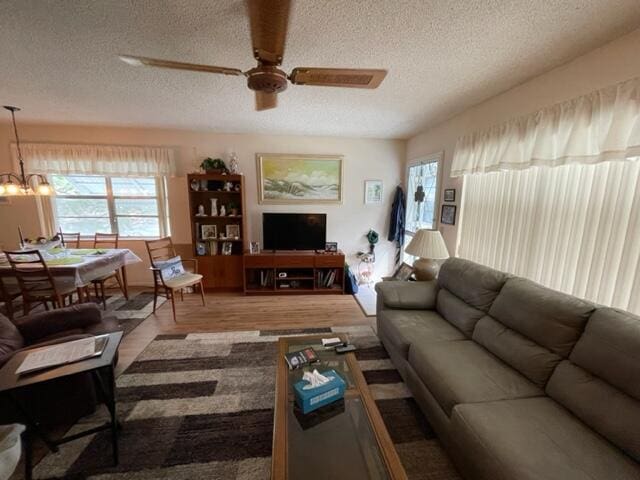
(200, 406)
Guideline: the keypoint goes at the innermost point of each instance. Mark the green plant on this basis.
(232, 206)
(213, 164)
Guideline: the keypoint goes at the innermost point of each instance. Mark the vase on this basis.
(214, 207)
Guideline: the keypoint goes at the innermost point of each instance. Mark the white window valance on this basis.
(124, 161)
(599, 127)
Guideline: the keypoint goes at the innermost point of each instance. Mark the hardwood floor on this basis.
(235, 311)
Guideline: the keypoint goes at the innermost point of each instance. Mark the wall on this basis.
(607, 65)
(346, 223)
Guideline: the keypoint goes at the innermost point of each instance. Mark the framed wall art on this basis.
(449, 194)
(448, 216)
(291, 179)
(373, 192)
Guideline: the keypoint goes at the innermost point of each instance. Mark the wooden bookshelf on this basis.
(220, 271)
(306, 273)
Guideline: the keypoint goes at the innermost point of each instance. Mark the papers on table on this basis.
(63, 353)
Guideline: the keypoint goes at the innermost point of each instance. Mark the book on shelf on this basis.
(326, 278)
(266, 277)
(301, 357)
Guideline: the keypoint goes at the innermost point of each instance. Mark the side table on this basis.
(101, 368)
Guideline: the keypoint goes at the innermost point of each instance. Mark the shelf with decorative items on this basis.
(218, 225)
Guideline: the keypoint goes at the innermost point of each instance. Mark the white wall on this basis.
(607, 65)
(346, 223)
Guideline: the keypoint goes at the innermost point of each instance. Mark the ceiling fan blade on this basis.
(266, 100)
(269, 20)
(338, 77)
(156, 62)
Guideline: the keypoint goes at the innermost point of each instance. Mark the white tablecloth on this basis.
(91, 267)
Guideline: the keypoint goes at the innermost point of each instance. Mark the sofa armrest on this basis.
(407, 295)
(55, 322)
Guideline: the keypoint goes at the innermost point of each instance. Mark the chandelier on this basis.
(21, 184)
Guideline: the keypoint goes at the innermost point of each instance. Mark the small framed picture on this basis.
(403, 272)
(209, 232)
(373, 192)
(201, 248)
(449, 194)
(254, 247)
(331, 247)
(233, 231)
(227, 248)
(448, 216)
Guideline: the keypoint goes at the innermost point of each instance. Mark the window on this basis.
(130, 206)
(573, 228)
(422, 188)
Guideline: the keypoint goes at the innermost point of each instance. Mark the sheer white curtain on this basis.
(555, 196)
(601, 126)
(116, 160)
(574, 228)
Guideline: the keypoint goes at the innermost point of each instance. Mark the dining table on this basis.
(80, 266)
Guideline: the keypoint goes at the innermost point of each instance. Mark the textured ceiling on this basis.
(58, 59)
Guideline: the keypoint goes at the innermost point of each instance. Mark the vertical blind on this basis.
(574, 228)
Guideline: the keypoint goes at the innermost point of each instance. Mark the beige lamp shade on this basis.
(428, 244)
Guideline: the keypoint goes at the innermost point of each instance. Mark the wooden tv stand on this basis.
(307, 272)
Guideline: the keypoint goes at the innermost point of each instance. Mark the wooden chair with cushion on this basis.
(70, 240)
(37, 285)
(106, 241)
(169, 274)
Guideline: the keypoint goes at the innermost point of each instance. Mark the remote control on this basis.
(345, 349)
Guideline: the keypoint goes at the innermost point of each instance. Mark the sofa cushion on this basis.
(464, 372)
(550, 318)
(457, 312)
(404, 327)
(471, 282)
(407, 295)
(600, 383)
(533, 361)
(610, 349)
(532, 328)
(10, 339)
(534, 438)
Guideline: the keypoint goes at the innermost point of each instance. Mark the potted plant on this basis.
(213, 165)
(233, 209)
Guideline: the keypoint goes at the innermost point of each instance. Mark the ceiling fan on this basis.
(269, 20)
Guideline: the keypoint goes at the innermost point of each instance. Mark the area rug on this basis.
(200, 406)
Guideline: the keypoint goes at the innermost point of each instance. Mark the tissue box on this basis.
(314, 398)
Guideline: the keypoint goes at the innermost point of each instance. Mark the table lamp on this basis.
(428, 246)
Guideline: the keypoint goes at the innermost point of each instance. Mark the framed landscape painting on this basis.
(288, 179)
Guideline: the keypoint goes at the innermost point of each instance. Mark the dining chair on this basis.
(169, 274)
(9, 291)
(37, 285)
(106, 241)
(70, 240)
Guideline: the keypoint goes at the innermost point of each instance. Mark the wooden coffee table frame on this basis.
(280, 452)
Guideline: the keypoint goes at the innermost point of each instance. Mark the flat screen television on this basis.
(294, 231)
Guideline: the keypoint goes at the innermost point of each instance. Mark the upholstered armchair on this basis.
(66, 399)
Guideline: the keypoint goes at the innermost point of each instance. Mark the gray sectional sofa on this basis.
(519, 381)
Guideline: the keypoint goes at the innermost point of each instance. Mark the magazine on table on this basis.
(301, 357)
(63, 353)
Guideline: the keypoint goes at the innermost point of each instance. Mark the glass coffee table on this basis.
(347, 439)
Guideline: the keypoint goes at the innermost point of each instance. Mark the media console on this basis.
(291, 272)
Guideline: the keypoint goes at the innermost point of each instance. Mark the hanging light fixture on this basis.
(22, 184)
